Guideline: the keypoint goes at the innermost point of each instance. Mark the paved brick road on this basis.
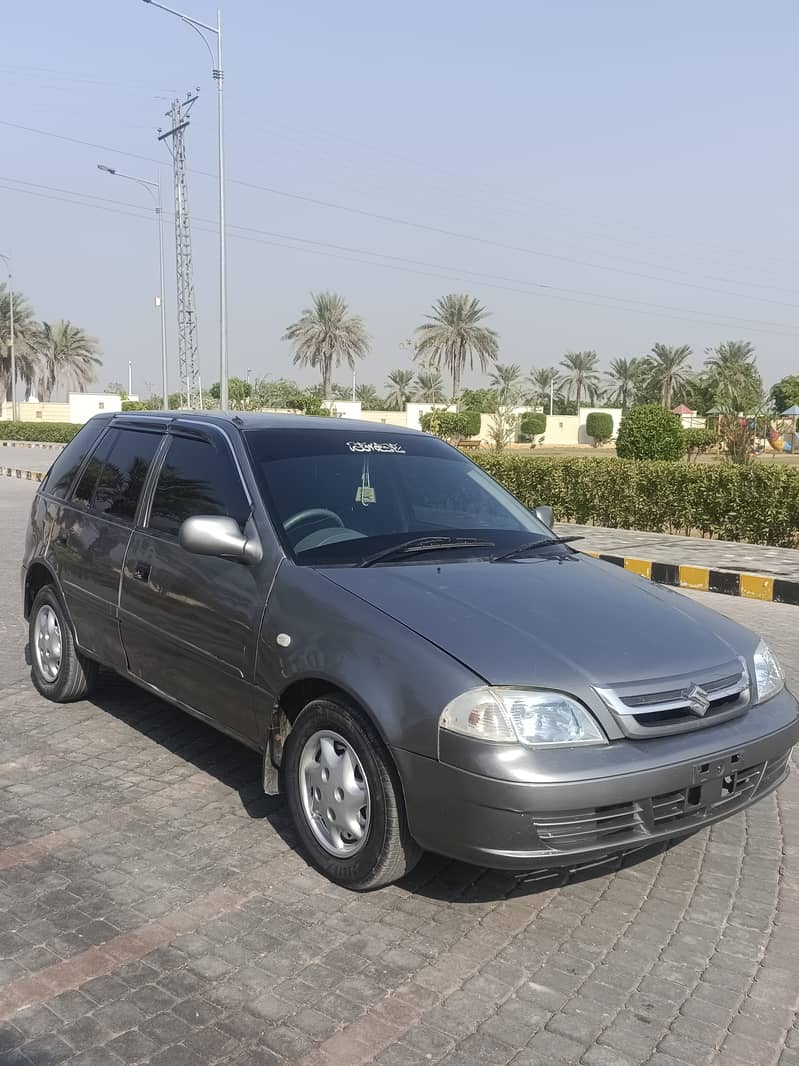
(152, 909)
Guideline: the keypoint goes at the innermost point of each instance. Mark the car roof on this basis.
(250, 421)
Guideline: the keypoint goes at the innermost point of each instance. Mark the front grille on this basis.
(656, 708)
(622, 825)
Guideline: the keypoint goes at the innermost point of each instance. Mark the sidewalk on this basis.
(749, 570)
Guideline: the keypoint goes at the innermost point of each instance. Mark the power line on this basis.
(426, 227)
(523, 201)
(533, 288)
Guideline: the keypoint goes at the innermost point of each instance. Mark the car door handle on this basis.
(141, 571)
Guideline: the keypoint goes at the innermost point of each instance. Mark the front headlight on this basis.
(769, 679)
(524, 716)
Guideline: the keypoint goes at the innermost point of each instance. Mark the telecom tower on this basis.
(187, 313)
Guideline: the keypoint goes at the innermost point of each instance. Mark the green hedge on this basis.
(53, 432)
(758, 504)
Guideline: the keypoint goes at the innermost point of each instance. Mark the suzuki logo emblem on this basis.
(697, 699)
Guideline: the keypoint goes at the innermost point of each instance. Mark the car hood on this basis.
(541, 621)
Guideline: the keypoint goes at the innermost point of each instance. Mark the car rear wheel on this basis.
(345, 798)
(58, 670)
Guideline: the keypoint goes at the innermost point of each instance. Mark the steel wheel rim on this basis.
(334, 793)
(47, 643)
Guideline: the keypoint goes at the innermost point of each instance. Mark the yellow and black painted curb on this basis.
(706, 579)
(23, 475)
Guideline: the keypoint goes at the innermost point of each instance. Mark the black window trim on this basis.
(197, 431)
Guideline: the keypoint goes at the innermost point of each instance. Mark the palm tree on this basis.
(327, 334)
(667, 370)
(400, 385)
(505, 379)
(454, 335)
(544, 383)
(582, 373)
(733, 375)
(25, 357)
(68, 357)
(369, 397)
(429, 386)
(622, 375)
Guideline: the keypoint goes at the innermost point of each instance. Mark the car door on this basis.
(189, 622)
(89, 540)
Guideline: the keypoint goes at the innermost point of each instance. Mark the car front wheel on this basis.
(58, 670)
(345, 798)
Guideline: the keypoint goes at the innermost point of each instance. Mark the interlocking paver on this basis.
(152, 909)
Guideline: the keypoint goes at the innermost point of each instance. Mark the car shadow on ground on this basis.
(239, 768)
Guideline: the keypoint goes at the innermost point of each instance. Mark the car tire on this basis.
(385, 850)
(58, 670)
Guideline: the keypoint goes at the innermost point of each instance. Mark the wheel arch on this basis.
(38, 575)
(300, 692)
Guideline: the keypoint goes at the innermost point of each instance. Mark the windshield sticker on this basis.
(375, 446)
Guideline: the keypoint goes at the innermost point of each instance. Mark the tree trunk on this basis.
(578, 397)
(327, 379)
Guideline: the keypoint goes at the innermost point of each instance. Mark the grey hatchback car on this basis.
(420, 661)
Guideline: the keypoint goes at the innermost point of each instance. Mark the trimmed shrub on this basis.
(449, 425)
(51, 432)
(650, 432)
(758, 504)
(599, 425)
(472, 423)
(533, 424)
(135, 405)
(699, 441)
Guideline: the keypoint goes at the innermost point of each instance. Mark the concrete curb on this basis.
(30, 444)
(23, 475)
(706, 579)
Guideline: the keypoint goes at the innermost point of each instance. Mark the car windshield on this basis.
(340, 497)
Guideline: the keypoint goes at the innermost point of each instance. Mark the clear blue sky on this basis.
(627, 154)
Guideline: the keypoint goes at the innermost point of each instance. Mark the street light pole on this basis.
(154, 189)
(12, 340)
(219, 77)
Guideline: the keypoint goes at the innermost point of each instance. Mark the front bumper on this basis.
(564, 821)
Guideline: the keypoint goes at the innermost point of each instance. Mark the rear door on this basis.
(189, 623)
(90, 540)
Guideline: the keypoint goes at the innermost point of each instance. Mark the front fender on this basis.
(400, 679)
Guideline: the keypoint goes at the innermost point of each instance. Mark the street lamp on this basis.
(11, 345)
(154, 189)
(219, 77)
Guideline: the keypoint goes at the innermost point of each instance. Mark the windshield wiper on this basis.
(531, 546)
(425, 544)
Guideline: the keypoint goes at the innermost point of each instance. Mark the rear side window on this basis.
(197, 478)
(62, 472)
(84, 490)
(122, 478)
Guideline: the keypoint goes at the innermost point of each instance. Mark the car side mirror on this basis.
(220, 536)
(545, 514)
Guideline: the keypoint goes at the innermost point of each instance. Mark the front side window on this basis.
(121, 480)
(198, 477)
(338, 497)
